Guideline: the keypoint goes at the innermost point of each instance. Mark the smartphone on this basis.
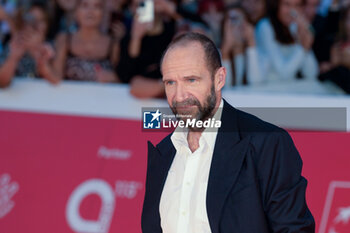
(145, 11)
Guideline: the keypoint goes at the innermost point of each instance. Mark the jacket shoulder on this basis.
(263, 134)
(249, 124)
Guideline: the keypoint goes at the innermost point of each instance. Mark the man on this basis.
(245, 177)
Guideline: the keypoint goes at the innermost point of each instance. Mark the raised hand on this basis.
(139, 29)
(105, 76)
(17, 47)
(118, 30)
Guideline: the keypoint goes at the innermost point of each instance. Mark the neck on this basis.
(193, 137)
(218, 102)
(88, 32)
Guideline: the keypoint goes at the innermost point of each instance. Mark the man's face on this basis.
(189, 85)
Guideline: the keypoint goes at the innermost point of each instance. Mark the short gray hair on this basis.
(213, 58)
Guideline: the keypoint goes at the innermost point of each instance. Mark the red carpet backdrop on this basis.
(69, 173)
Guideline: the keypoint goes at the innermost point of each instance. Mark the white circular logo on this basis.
(105, 192)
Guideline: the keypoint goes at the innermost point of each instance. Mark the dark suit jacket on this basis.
(255, 183)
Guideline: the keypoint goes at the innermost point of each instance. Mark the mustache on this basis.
(185, 103)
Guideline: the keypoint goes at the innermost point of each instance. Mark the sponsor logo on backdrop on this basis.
(158, 120)
(113, 153)
(336, 213)
(7, 190)
(108, 195)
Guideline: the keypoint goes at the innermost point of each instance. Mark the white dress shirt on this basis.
(183, 202)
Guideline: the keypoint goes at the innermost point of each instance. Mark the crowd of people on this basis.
(261, 41)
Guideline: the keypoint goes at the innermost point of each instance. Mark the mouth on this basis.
(90, 17)
(185, 107)
(188, 110)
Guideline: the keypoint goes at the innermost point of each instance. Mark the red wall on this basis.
(82, 174)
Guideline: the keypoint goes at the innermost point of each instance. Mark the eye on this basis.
(191, 80)
(169, 82)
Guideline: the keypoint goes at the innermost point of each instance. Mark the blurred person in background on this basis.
(285, 40)
(339, 71)
(64, 16)
(239, 53)
(7, 9)
(143, 46)
(256, 9)
(116, 17)
(212, 13)
(188, 10)
(326, 5)
(231, 2)
(191, 17)
(27, 52)
(88, 54)
(325, 29)
(194, 26)
(189, 6)
(118, 20)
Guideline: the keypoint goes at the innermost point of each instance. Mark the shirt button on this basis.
(183, 212)
(188, 183)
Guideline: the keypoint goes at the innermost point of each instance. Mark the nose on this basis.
(181, 93)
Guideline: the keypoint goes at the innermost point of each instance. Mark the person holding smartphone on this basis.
(339, 68)
(285, 39)
(153, 28)
(27, 52)
(239, 49)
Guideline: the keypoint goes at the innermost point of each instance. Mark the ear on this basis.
(220, 78)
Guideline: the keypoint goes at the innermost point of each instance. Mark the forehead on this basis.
(183, 60)
(37, 13)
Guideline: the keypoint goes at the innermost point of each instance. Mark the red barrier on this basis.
(81, 174)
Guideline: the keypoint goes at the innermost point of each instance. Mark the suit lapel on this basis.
(159, 162)
(228, 157)
(160, 166)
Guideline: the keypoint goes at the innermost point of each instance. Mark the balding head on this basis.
(211, 53)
